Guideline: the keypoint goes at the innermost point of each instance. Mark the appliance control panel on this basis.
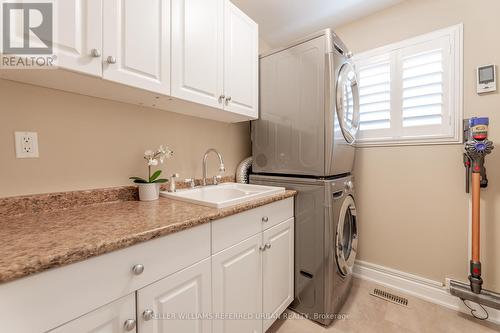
(486, 79)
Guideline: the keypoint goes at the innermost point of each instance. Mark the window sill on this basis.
(402, 143)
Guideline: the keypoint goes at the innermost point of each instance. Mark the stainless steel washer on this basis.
(326, 242)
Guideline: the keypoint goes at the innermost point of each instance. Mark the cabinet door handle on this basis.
(262, 247)
(111, 60)
(265, 219)
(129, 325)
(138, 269)
(95, 53)
(228, 99)
(268, 245)
(148, 314)
(221, 98)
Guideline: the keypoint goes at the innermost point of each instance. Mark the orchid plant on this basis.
(153, 159)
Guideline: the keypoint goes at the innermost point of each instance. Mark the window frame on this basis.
(384, 137)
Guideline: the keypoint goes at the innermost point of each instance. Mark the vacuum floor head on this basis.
(486, 298)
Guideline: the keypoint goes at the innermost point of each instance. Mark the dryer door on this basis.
(347, 103)
(346, 241)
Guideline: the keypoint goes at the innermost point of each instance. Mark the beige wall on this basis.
(412, 205)
(87, 142)
(264, 46)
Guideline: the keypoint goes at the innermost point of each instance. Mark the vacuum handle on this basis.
(476, 217)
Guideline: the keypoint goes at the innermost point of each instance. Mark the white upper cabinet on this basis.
(196, 57)
(241, 62)
(78, 35)
(137, 43)
(197, 51)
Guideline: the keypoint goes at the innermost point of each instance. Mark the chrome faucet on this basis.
(221, 165)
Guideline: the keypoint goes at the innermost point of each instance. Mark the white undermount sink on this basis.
(223, 195)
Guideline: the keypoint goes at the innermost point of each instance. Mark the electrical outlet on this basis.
(26, 144)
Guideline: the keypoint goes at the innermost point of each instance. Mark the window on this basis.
(411, 92)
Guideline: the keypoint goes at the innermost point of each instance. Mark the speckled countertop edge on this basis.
(72, 253)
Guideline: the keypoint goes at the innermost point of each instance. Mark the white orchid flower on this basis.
(153, 159)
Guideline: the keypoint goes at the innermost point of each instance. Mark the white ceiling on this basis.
(281, 21)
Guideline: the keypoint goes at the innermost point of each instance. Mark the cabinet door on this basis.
(178, 302)
(278, 270)
(78, 35)
(241, 62)
(237, 287)
(137, 43)
(77, 31)
(110, 318)
(197, 51)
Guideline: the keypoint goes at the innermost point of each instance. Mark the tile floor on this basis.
(368, 314)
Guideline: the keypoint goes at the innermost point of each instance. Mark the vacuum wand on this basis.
(476, 148)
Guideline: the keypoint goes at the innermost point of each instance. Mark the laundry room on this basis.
(249, 166)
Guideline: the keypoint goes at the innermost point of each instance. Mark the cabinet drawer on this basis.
(57, 296)
(111, 316)
(231, 230)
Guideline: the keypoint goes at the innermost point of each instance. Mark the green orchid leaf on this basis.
(138, 180)
(160, 181)
(154, 176)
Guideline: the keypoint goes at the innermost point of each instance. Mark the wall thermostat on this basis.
(486, 79)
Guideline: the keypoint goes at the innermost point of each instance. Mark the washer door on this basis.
(346, 243)
(348, 102)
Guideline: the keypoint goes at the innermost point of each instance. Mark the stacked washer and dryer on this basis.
(304, 141)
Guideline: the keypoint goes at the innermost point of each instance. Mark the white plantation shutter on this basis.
(423, 89)
(411, 91)
(375, 96)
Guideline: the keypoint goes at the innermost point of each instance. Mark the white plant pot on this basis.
(149, 192)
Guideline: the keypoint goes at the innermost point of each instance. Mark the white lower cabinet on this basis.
(237, 287)
(253, 281)
(116, 317)
(234, 275)
(178, 303)
(278, 271)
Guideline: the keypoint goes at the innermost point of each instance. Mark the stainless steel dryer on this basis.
(326, 241)
(309, 109)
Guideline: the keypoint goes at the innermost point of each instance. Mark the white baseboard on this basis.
(416, 286)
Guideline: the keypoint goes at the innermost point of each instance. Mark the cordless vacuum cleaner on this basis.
(477, 146)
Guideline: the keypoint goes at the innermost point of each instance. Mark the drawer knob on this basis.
(111, 60)
(265, 219)
(148, 314)
(129, 325)
(95, 53)
(138, 269)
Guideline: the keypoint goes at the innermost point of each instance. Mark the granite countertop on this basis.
(33, 243)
